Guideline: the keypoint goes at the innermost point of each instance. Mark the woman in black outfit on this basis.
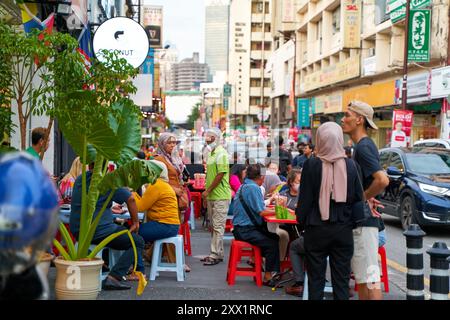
(328, 189)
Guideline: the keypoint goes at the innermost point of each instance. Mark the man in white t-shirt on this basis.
(398, 136)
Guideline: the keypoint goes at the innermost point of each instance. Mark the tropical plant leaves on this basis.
(133, 174)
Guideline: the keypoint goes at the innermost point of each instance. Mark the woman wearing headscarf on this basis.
(168, 154)
(329, 188)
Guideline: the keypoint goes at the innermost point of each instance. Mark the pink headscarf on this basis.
(329, 146)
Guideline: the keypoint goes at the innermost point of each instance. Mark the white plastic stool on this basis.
(192, 217)
(327, 289)
(177, 267)
(114, 256)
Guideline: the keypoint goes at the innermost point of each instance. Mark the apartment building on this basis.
(353, 49)
(188, 74)
(217, 22)
(250, 47)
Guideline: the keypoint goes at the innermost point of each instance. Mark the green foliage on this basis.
(195, 114)
(27, 66)
(101, 123)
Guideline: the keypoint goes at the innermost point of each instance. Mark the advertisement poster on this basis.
(152, 22)
(401, 128)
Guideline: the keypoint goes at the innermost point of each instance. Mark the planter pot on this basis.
(78, 280)
(44, 262)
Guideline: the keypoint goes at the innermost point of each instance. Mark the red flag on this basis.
(47, 26)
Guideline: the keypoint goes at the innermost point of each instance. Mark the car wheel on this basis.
(407, 212)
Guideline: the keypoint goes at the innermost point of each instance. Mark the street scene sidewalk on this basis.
(209, 282)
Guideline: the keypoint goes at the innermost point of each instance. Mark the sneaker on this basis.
(295, 290)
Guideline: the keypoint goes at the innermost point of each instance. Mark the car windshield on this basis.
(428, 163)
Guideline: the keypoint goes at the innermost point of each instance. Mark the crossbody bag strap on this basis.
(358, 175)
(247, 210)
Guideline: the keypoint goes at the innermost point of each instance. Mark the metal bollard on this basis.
(414, 262)
(439, 278)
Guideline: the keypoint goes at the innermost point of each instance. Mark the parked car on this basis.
(433, 143)
(419, 185)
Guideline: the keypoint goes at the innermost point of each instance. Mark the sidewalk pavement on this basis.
(209, 282)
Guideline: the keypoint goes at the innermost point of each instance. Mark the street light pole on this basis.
(294, 114)
(405, 57)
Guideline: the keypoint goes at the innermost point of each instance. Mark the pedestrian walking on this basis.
(328, 189)
(356, 121)
(217, 195)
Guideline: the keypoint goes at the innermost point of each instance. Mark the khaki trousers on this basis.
(217, 213)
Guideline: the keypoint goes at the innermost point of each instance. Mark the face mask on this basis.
(296, 186)
(212, 145)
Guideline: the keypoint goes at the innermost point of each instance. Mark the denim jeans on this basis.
(154, 230)
(122, 242)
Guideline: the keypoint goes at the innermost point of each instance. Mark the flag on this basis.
(84, 42)
(29, 17)
(47, 28)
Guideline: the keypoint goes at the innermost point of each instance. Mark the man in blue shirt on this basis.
(248, 223)
(106, 227)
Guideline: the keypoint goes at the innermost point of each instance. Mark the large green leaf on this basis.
(128, 132)
(134, 174)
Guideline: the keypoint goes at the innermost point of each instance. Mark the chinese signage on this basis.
(440, 83)
(352, 23)
(419, 36)
(341, 71)
(333, 103)
(397, 8)
(124, 36)
(152, 22)
(303, 112)
(401, 128)
(288, 11)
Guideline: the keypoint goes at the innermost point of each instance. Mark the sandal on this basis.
(134, 277)
(206, 259)
(187, 268)
(270, 283)
(209, 261)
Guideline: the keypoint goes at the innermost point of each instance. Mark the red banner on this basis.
(402, 121)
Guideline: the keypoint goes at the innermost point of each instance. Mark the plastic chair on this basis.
(241, 249)
(192, 217)
(186, 233)
(177, 267)
(197, 198)
(384, 276)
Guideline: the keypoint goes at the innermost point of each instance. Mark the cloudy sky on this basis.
(183, 25)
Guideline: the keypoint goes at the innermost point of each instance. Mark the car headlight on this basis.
(434, 190)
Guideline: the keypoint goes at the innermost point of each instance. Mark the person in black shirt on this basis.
(284, 157)
(328, 189)
(357, 119)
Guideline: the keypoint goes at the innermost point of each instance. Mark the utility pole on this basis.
(294, 114)
(262, 62)
(405, 57)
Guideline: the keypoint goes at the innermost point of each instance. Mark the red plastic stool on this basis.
(285, 265)
(229, 225)
(384, 277)
(197, 198)
(186, 233)
(241, 249)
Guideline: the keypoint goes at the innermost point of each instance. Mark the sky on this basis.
(183, 25)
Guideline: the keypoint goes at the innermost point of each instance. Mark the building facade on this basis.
(217, 18)
(250, 47)
(353, 50)
(188, 74)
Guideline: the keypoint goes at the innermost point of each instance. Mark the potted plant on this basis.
(102, 124)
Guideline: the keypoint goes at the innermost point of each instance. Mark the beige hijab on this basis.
(329, 146)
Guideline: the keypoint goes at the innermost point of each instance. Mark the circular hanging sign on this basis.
(124, 35)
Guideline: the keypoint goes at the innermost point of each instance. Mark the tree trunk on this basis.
(47, 136)
(22, 123)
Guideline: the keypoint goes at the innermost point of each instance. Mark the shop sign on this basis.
(418, 87)
(402, 121)
(303, 112)
(333, 103)
(440, 83)
(397, 8)
(124, 36)
(348, 69)
(319, 103)
(419, 36)
(352, 23)
(371, 94)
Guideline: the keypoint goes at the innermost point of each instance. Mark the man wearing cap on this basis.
(217, 193)
(357, 119)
